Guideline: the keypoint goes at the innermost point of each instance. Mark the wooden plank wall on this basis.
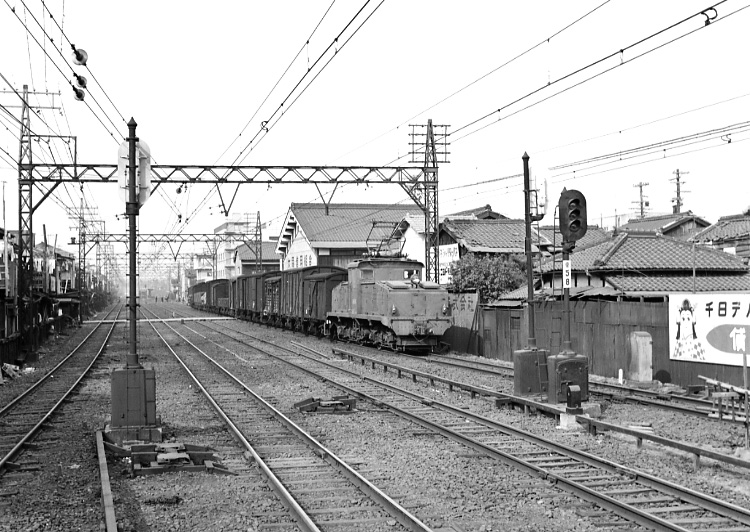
(462, 335)
(600, 330)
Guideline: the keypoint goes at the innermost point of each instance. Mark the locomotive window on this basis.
(368, 275)
(409, 273)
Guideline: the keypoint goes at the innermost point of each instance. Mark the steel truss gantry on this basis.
(419, 182)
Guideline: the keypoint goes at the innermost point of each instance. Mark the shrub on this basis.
(491, 276)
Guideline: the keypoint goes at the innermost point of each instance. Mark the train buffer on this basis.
(338, 404)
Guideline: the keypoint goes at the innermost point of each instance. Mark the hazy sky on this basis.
(193, 74)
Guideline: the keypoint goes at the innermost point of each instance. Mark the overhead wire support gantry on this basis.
(419, 182)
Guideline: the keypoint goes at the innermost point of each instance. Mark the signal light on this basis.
(573, 214)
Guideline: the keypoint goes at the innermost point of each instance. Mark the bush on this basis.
(491, 276)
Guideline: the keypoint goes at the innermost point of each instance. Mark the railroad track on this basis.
(318, 489)
(631, 495)
(616, 392)
(26, 415)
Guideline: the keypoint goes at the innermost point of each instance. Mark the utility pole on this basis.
(643, 201)
(26, 316)
(677, 201)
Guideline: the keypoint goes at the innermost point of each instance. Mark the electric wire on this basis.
(281, 106)
(663, 144)
(619, 52)
(482, 77)
(265, 130)
(28, 32)
(307, 42)
(63, 35)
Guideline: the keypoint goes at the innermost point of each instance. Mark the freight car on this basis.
(380, 301)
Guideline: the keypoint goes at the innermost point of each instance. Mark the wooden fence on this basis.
(600, 330)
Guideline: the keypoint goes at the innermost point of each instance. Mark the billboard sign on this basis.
(447, 254)
(709, 327)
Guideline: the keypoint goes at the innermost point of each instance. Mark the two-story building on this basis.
(336, 234)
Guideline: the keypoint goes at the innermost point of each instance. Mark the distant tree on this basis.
(492, 276)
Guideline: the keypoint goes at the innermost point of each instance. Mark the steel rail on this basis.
(624, 393)
(51, 372)
(399, 513)
(530, 403)
(4, 460)
(303, 520)
(475, 390)
(705, 502)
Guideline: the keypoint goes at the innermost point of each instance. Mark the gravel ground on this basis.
(720, 480)
(62, 490)
(440, 481)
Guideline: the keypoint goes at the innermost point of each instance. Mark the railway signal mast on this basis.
(134, 387)
(568, 371)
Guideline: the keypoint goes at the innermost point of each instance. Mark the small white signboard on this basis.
(447, 254)
(567, 274)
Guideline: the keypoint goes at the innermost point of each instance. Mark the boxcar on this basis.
(317, 294)
(197, 295)
(217, 295)
(296, 290)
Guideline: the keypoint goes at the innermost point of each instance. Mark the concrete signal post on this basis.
(133, 386)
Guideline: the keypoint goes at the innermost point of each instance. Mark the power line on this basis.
(631, 128)
(307, 43)
(62, 33)
(624, 154)
(264, 125)
(28, 31)
(665, 156)
(483, 76)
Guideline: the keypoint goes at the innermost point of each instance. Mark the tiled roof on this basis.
(594, 234)
(662, 223)
(649, 253)
(488, 236)
(346, 222)
(476, 213)
(728, 227)
(268, 250)
(680, 283)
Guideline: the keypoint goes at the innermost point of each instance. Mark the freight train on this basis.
(379, 301)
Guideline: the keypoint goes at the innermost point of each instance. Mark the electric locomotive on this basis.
(384, 302)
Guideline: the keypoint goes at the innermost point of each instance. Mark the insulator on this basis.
(80, 56)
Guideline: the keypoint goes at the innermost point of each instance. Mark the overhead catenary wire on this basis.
(480, 78)
(28, 31)
(662, 144)
(63, 35)
(599, 61)
(307, 42)
(660, 158)
(265, 127)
